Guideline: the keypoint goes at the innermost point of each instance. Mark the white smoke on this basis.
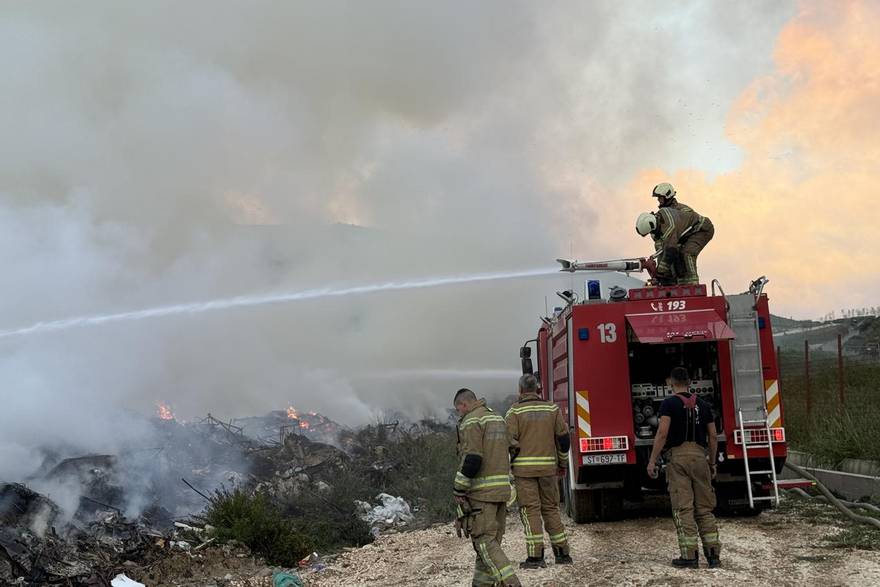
(171, 153)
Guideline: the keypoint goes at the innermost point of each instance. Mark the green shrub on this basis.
(428, 463)
(329, 517)
(414, 462)
(254, 521)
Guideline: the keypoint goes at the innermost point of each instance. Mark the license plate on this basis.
(605, 459)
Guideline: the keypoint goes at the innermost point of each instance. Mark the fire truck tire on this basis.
(612, 504)
(593, 505)
(733, 501)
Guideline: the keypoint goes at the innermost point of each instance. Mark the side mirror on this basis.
(525, 354)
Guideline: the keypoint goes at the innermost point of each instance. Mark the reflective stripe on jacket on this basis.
(534, 425)
(483, 432)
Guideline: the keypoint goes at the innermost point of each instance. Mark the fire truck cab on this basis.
(604, 362)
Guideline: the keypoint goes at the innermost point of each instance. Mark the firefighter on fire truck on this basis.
(540, 443)
(679, 234)
(687, 430)
(694, 232)
(482, 487)
(667, 198)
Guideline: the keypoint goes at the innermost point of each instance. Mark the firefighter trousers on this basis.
(492, 567)
(693, 499)
(538, 499)
(690, 248)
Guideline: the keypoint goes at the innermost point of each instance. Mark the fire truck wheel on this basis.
(733, 501)
(593, 505)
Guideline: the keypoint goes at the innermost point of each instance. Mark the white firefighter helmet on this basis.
(646, 223)
(665, 190)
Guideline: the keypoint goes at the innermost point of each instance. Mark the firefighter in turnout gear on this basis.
(687, 430)
(540, 444)
(679, 236)
(482, 487)
(666, 198)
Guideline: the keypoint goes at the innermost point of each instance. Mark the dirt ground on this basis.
(776, 548)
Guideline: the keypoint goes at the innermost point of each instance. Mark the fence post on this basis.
(840, 381)
(807, 378)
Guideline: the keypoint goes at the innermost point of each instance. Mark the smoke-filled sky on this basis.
(168, 152)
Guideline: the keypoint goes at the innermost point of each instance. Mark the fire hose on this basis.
(841, 505)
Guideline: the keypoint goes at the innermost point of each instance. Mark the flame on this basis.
(304, 425)
(292, 413)
(164, 411)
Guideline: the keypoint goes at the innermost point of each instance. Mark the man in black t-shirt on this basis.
(687, 431)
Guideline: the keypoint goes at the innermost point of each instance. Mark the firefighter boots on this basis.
(712, 557)
(562, 557)
(533, 562)
(687, 563)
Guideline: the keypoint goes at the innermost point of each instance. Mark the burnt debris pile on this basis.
(206, 484)
(38, 545)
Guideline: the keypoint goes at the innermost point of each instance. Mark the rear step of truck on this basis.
(791, 484)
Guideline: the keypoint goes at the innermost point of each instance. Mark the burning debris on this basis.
(277, 424)
(163, 411)
(292, 414)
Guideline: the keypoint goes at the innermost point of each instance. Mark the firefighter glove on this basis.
(463, 519)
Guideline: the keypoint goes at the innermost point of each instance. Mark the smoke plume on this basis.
(169, 153)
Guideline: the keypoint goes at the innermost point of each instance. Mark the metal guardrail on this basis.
(851, 485)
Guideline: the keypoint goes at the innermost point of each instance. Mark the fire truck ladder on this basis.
(748, 385)
(746, 444)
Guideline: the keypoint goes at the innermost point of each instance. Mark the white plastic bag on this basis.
(122, 581)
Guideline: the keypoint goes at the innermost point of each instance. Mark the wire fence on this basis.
(831, 398)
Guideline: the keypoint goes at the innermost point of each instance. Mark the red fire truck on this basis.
(604, 361)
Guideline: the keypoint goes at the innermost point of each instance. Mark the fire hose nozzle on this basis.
(567, 265)
(620, 265)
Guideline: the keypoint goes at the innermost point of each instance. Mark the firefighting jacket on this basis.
(676, 205)
(483, 448)
(705, 224)
(538, 431)
(672, 223)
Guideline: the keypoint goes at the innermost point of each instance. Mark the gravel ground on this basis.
(782, 547)
(775, 548)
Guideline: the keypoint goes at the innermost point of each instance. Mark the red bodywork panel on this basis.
(683, 326)
(589, 345)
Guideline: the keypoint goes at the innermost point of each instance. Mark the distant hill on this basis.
(861, 336)
(780, 324)
(866, 341)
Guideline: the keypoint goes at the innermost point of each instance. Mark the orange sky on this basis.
(799, 208)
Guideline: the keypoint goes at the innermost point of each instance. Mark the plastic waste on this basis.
(392, 511)
(313, 561)
(286, 580)
(121, 580)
